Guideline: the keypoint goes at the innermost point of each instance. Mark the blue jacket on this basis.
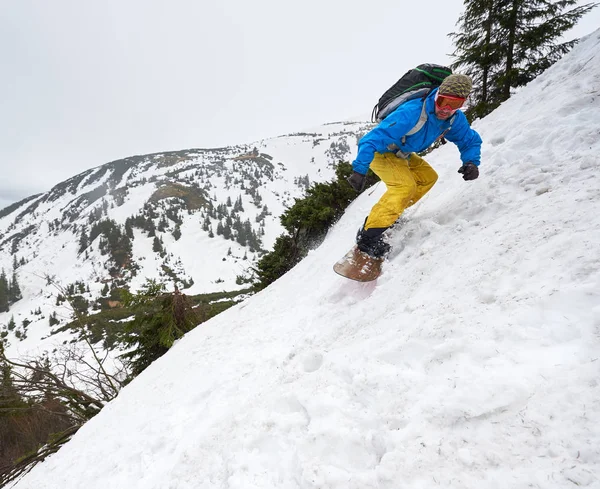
(390, 131)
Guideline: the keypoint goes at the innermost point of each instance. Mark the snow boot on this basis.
(371, 242)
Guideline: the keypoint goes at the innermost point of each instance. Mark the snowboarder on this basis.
(390, 150)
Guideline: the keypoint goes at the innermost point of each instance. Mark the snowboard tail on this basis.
(359, 266)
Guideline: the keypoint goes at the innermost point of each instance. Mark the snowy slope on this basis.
(473, 362)
(44, 232)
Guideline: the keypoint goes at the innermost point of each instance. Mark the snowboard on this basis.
(358, 266)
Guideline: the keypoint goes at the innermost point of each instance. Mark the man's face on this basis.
(447, 105)
(443, 114)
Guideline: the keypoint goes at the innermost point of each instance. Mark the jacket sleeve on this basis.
(388, 132)
(466, 139)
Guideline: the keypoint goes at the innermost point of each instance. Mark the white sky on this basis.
(85, 83)
(472, 362)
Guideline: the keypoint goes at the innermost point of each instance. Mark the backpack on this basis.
(415, 83)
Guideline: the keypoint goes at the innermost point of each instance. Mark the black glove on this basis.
(357, 181)
(469, 171)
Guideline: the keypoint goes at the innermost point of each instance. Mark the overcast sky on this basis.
(85, 83)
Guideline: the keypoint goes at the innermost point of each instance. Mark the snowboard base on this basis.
(358, 266)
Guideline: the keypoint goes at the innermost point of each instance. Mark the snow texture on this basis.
(473, 361)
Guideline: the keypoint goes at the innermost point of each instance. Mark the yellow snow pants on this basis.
(406, 180)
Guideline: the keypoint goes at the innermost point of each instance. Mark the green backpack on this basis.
(415, 83)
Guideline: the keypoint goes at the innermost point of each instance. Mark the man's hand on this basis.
(469, 171)
(357, 181)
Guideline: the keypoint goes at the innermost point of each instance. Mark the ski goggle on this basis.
(447, 102)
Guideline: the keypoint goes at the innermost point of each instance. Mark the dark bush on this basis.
(306, 223)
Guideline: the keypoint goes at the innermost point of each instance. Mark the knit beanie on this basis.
(456, 85)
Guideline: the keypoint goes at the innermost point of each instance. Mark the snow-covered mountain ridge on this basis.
(197, 217)
(473, 362)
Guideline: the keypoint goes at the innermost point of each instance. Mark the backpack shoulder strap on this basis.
(419, 125)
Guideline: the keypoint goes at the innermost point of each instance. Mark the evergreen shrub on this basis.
(306, 224)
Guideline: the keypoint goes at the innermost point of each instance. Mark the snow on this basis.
(293, 156)
(48, 237)
(472, 362)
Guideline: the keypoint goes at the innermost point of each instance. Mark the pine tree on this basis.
(504, 44)
(53, 320)
(238, 206)
(533, 28)
(177, 232)
(206, 224)
(160, 319)
(150, 228)
(14, 293)
(156, 246)
(479, 51)
(242, 238)
(9, 395)
(163, 225)
(83, 240)
(227, 231)
(129, 229)
(4, 293)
